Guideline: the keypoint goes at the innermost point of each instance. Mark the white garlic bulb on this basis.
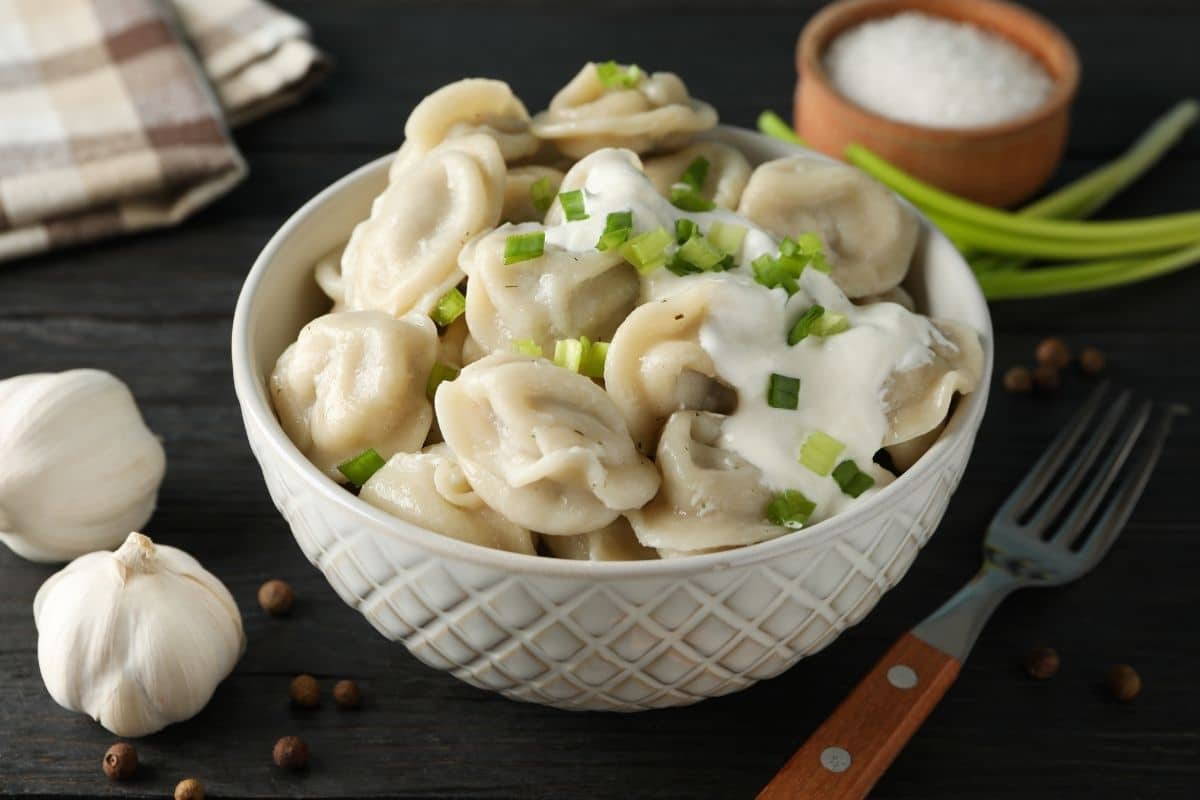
(138, 638)
(79, 469)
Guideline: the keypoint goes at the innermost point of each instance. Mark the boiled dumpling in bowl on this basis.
(614, 542)
(519, 203)
(868, 235)
(542, 445)
(917, 400)
(608, 105)
(355, 380)
(725, 175)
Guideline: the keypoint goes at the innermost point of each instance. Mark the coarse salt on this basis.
(935, 72)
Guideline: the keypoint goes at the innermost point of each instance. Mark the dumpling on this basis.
(728, 171)
(451, 342)
(917, 400)
(328, 275)
(897, 294)
(469, 106)
(353, 380)
(518, 200)
(869, 236)
(428, 489)
(657, 114)
(710, 497)
(561, 295)
(542, 445)
(656, 366)
(404, 257)
(614, 542)
(577, 176)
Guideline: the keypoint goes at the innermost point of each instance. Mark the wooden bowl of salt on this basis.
(972, 96)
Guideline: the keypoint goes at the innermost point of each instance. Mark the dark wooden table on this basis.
(156, 310)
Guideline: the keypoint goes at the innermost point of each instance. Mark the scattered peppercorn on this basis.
(189, 789)
(1124, 682)
(1092, 360)
(290, 752)
(305, 691)
(345, 694)
(1042, 663)
(1018, 380)
(1053, 352)
(1046, 377)
(120, 762)
(276, 597)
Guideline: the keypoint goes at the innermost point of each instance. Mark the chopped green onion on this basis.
(648, 251)
(686, 198)
(527, 347)
(783, 392)
(612, 239)
(727, 235)
(681, 267)
(614, 76)
(592, 363)
(524, 246)
(804, 325)
(771, 273)
(790, 508)
(830, 324)
(361, 467)
(851, 479)
(684, 228)
(701, 253)
(572, 205)
(440, 372)
(819, 452)
(450, 307)
(568, 353)
(695, 173)
(617, 227)
(542, 194)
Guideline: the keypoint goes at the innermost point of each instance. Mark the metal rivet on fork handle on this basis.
(835, 759)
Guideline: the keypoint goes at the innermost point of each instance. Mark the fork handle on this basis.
(844, 757)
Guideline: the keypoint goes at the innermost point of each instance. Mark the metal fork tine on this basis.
(1086, 506)
(1061, 493)
(1113, 520)
(1035, 482)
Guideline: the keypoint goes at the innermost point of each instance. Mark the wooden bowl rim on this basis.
(833, 19)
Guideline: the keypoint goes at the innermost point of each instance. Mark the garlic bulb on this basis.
(138, 638)
(79, 469)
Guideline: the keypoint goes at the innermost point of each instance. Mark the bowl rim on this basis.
(257, 412)
(830, 21)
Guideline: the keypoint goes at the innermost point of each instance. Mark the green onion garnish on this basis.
(572, 205)
(450, 307)
(524, 246)
(684, 228)
(361, 467)
(771, 273)
(648, 251)
(527, 347)
(542, 194)
(568, 353)
(614, 76)
(809, 246)
(804, 325)
(790, 508)
(783, 392)
(686, 198)
(617, 227)
(701, 253)
(695, 173)
(727, 235)
(440, 372)
(851, 479)
(594, 356)
(819, 452)
(830, 323)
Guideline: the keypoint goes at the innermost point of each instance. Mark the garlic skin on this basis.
(137, 638)
(79, 469)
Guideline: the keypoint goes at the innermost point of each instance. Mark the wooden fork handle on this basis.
(844, 758)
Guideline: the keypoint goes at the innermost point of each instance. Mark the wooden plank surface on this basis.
(156, 310)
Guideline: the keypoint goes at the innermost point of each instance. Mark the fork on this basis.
(1054, 528)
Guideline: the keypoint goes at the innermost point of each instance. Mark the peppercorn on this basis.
(290, 752)
(120, 762)
(189, 789)
(1018, 380)
(1124, 682)
(305, 691)
(345, 694)
(1092, 360)
(276, 597)
(1041, 663)
(1053, 352)
(1046, 377)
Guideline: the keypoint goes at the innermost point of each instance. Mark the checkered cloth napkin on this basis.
(114, 114)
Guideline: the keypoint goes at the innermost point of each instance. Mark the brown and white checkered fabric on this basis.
(109, 125)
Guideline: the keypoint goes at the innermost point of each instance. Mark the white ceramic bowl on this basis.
(583, 635)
